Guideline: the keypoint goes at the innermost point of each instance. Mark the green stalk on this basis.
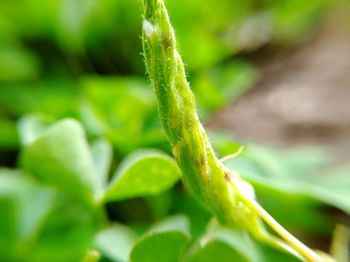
(228, 197)
(202, 171)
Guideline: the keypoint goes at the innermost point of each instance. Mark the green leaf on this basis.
(222, 84)
(224, 245)
(9, 188)
(67, 233)
(24, 206)
(60, 157)
(8, 134)
(31, 127)
(294, 179)
(18, 64)
(198, 215)
(91, 256)
(269, 254)
(165, 242)
(8, 228)
(116, 242)
(117, 108)
(145, 172)
(161, 204)
(332, 187)
(224, 144)
(102, 154)
(54, 97)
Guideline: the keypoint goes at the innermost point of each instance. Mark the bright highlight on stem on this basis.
(229, 197)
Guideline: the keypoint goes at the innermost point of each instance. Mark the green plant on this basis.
(94, 179)
(53, 207)
(229, 197)
(69, 191)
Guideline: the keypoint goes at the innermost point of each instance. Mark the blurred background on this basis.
(272, 76)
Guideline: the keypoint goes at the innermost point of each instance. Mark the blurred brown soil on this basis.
(302, 97)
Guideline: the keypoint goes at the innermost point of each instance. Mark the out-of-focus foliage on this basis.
(207, 31)
(80, 59)
(294, 180)
(53, 55)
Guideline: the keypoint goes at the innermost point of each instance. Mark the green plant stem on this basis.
(229, 198)
(305, 252)
(340, 243)
(190, 146)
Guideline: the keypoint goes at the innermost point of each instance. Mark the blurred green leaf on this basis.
(31, 127)
(52, 97)
(102, 154)
(67, 233)
(221, 85)
(332, 187)
(116, 242)
(117, 108)
(60, 157)
(165, 242)
(224, 245)
(290, 24)
(198, 214)
(199, 22)
(8, 228)
(91, 256)
(160, 204)
(224, 144)
(145, 172)
(269, 253)
(8, 134)
(24, 206)
(292, 187)
(17, 64)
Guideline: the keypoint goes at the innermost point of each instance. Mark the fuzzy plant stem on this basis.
(224, 193)
(190, 146)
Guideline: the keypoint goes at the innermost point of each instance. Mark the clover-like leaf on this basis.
(223, 245)
(116, 242)
(165, 242)
(67, 233)
(38, 224)
(60, 156)
(19, 196)
(31, 127)
(145, 172)
(102, 154)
